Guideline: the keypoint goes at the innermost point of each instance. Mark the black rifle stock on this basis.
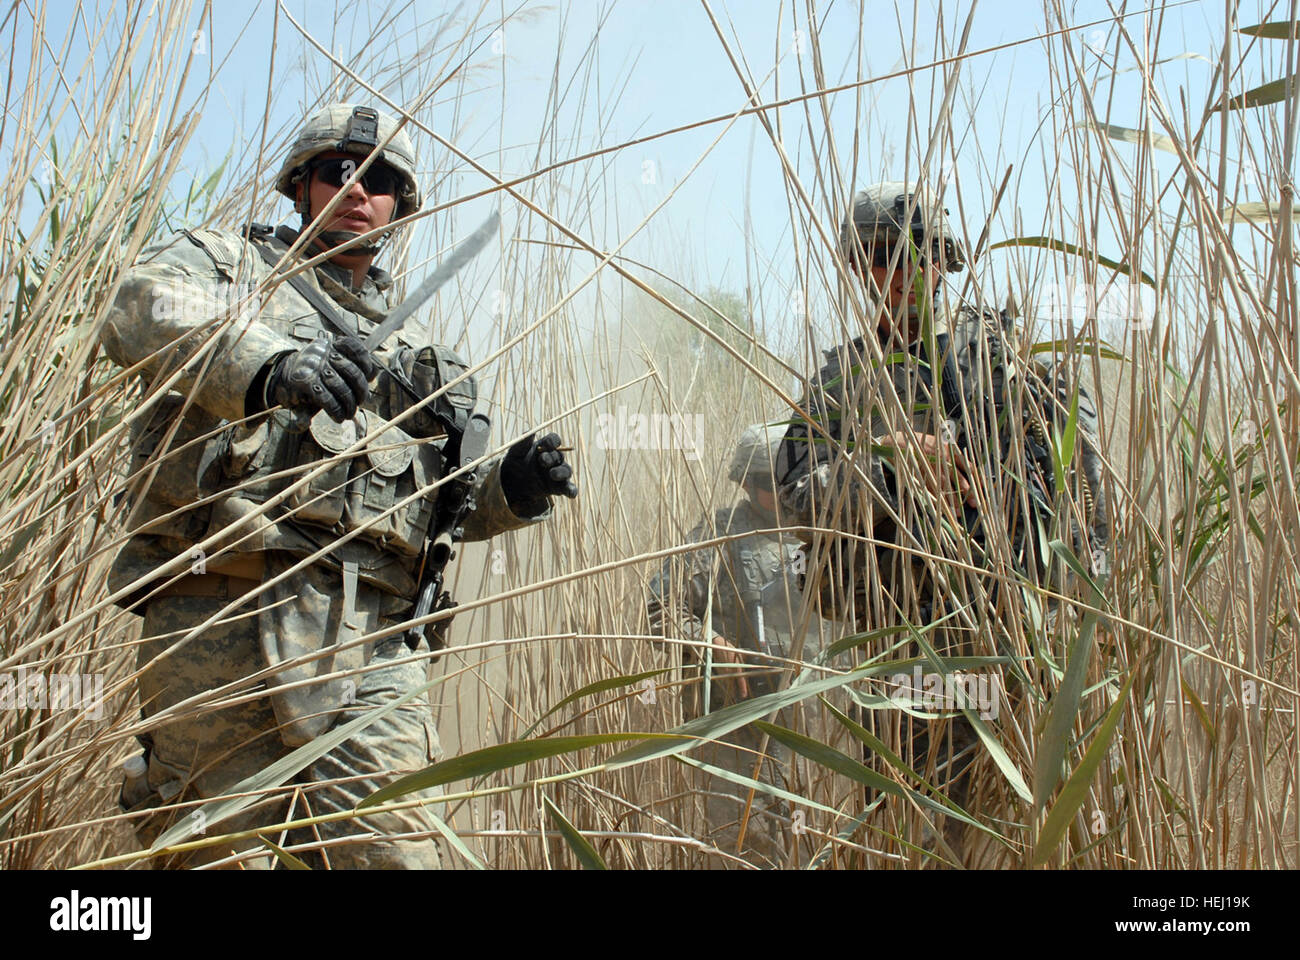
(466, 442)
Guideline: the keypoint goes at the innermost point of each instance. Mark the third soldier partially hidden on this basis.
(742, 597)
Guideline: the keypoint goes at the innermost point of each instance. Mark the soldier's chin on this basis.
(336, 238)
(907, 321)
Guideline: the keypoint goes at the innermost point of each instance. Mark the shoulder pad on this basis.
(229, 251)
(987, 329)
(451, 365)
(968, 323)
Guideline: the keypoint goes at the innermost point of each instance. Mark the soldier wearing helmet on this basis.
(925, 395)
(889, 226)
(741, 597)
(296, 538)
(331, 147)
(877, 220)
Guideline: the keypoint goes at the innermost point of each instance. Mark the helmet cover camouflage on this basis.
(878, 214)
(349, 128)
(755, 458)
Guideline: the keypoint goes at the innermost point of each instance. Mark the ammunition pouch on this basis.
(354, 493)
(425, 371)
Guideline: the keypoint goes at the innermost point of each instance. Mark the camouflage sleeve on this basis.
(691, 574)
(492, 513)
(168, 306)
(813, 470)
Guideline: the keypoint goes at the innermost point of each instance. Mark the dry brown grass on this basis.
(1200, 608)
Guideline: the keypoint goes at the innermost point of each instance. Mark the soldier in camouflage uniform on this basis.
(267, 386)
(941, 398)
(742, 596)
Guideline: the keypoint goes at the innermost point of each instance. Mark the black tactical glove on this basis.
(329, 375)
(534, 470)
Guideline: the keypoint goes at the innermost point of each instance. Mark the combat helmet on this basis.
(878, 214)
(755, 458)
(349, 128)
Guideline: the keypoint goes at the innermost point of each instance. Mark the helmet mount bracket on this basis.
(363, 129)
(351, 129)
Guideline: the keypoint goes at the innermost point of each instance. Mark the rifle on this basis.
(467, 440)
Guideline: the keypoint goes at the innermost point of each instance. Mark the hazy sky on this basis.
(661, 65)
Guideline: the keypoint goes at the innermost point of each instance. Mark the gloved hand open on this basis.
(534, 470)
(329, 375)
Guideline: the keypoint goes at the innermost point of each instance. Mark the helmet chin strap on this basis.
(336, 238)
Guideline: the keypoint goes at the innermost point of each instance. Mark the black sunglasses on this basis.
(880, 257)
(379, 178)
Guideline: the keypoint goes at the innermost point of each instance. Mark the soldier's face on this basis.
(358, 211)
(897, 287)
(766, 499)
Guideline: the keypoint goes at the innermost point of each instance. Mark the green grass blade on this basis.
(991, 744)
(1275, 91)
(1104, 350)
(1128, 135)
(721, 722)
(600, 686)
(502, 756)
(855, 640)
(771, 790)
(877, 746)
(1051, 243)
(1068, 436)
(285, 857)
(845, 765)
(1201, 713)
(1276, 30)
(1059, 548)
(580, 845)
(1054, 742)
(1076, 788)
(874, 744)
(456, 842)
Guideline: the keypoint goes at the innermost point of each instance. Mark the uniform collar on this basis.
(381, 278)
(756, 518)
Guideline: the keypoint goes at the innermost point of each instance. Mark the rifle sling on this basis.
(318, 300)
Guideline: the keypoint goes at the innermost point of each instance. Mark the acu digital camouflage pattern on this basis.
(739, 579)
(198, 305)
(206, 758)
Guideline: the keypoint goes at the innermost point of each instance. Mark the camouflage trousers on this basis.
(201, 757)
(773, 827)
